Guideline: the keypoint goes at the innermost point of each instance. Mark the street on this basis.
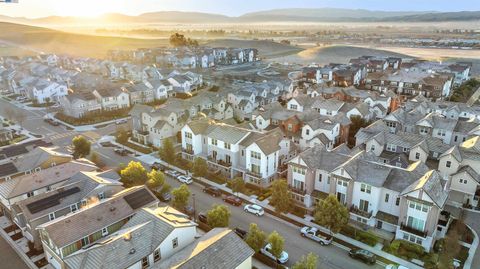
(10, 259)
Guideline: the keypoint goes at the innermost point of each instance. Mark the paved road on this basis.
(9, 258)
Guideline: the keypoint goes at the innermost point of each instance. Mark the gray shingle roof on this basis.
(218, 249)
(431, 184)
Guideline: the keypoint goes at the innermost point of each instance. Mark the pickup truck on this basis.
(266, 251)
(314, 234)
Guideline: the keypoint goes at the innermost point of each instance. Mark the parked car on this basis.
(165, 197)
(202, 218)
(363, 255)
(189, 210)
(121, 152)
(254, 209)
(314, 234)
(394, 266)
(266, 251)
(157, 166)
(233, 200)
(172, 173)
(240, 232)
(52, 122)
(185, 179)
(213, 191)
(122, 121)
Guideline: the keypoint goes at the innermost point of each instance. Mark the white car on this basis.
(394, 266)
(185, 179)
(172, 173)
(266, 251)
(254, 209)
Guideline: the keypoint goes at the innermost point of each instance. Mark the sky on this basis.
(43, 8)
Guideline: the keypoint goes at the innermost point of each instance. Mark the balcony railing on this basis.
(254, 174)
(297, 190)
(357, 211)
(142, 132)
(224, 163)
(188, 151)
(411, 230)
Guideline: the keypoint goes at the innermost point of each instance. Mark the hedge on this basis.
(362, 236)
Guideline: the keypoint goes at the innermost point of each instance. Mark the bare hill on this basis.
(334, 54)
(48, 40)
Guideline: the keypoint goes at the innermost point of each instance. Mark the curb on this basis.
(19, 252)
(471, 252)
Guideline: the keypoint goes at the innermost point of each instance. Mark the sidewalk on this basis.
(91, 127)
(18, 245)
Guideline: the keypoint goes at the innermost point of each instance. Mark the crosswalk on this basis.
(61, 135)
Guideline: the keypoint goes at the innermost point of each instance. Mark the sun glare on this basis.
(86, 8)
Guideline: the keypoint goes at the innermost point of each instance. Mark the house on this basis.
(41, 181)
(406, 202)
(6, 135)
(80, 104)
(140, 92)
(219, 247)
(112, 98)
(235, 151)
(74, 234)
(45, 91)
(153, 236)
(80, 191)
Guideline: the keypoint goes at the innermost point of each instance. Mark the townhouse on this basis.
(235, 151)
(22, 187)
(44, 91)
(6, 135)
(405, 202)
(80, 191)
(80, 104)
(75, 233)
(112, 98)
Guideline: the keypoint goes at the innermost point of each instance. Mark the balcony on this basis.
(411, 230)
(188, 151)
(224, 163)
(357, 211)
(142, 132)
(297, 190)
(254, 174)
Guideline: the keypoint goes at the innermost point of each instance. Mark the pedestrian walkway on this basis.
(62, 135)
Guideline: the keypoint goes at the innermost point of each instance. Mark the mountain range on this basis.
(276, 15)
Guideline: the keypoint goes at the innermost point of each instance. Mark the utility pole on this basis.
(194, 208)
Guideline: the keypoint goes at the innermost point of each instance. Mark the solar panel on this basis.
(7, 169)
(139, 198)
(50, 201)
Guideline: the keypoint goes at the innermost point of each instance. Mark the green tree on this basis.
(81, 147)
(165, 188)
(280, 196)
(330, 213)
(255, 237)
(307, 262)
(180, 196)
(218, 216)
(357, 123)
(238, 185)
(179, 40)
(134, 174)
(200, 167)
(167, 151)
(277, 242)
(95, 158)
(121, 135)
(155, 179)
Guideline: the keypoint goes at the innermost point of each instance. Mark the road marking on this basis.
(62, 135)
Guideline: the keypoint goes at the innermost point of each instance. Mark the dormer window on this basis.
(101, 195)
(104, 231)
(73, 208)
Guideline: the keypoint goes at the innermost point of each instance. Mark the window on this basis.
(104, 231)
(294, 107)
(30, 194)
(73, 208)
(255, 168)
(175, 242)
(342, 183)
(441, 132)
(417, 155)
(145, 262)
(448, 164)
(156, 255)
(51, 216)
(307, 131)
(299, 170)
(365, 188)
(83, 203)
(188, 135)
(85, 241)
(387, 196)
(397, 202)
(214, 142)
(228, 146)
(372, 148)
(255, 155)
(405, 149)
(464, 181)
(363, 205)
(101, 196)
(415, 223)
(418, 206)
(320, 178)
(391, 147)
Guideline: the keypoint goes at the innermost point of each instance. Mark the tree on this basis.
(199, 167)
(81, 147)
(280, 196)
(307, 262)
(134, 174)
(331, 214)
(95, 158)
(155, 179)
(165, 188)
(357, 123)
(218, 216)
(167, 151)
(238, 185)
(179, 40)
(122, 135)
(277, 242)
(255, 237)
(180, 196)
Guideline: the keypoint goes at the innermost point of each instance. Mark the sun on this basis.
(86, 8)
